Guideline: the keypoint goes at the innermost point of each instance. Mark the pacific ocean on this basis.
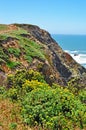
(75, 45)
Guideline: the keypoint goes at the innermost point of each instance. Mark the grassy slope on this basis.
(26, 48)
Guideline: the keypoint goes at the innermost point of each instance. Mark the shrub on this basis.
(21, 76)
(33, 84)
(35, 75)
(2, 90)
(13, 93)
(53, 109)
(82, 95)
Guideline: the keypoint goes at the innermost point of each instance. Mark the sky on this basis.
(55, 16)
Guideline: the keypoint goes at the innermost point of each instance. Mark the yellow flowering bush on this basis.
(33, 84)
(53, 109)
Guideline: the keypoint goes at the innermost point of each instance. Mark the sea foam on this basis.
(78, 56)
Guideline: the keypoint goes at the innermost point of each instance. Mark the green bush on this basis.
(18, 79)
(35, 75)
(23, 82)
(82, 95)
(53, 109)
(33, 84)
(21, 76)
(2, 89)
(13, 93)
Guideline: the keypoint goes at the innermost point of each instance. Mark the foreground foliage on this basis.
(40, 105)
(53, 109)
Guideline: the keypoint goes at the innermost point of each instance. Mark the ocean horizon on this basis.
(75, 45)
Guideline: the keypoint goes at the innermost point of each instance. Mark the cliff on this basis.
(24, 46)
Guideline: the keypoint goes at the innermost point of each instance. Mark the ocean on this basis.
(75, 45)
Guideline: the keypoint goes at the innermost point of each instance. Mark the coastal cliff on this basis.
(24, 46)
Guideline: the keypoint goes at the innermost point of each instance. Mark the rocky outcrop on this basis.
(45, 38)
(39, 34)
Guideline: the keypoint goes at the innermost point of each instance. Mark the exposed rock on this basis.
(39, 34)
(8, 39)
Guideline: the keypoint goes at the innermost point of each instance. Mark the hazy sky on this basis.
(56, 16)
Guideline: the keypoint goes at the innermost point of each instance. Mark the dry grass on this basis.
(9, 114)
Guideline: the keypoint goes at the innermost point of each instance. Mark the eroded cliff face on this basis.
(29, 47)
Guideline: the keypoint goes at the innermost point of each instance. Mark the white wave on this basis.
(73, 52)
(67, 51)
(78, 56)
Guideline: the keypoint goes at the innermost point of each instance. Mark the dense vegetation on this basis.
(36, 104)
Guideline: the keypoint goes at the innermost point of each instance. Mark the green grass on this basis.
(28, 48)
(3, 27)
(28, 58)
(14, 34)
(12, 64)
(3, 36)
(15, 51)
(32, 49)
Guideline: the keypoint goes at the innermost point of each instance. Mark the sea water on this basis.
(75, 45)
